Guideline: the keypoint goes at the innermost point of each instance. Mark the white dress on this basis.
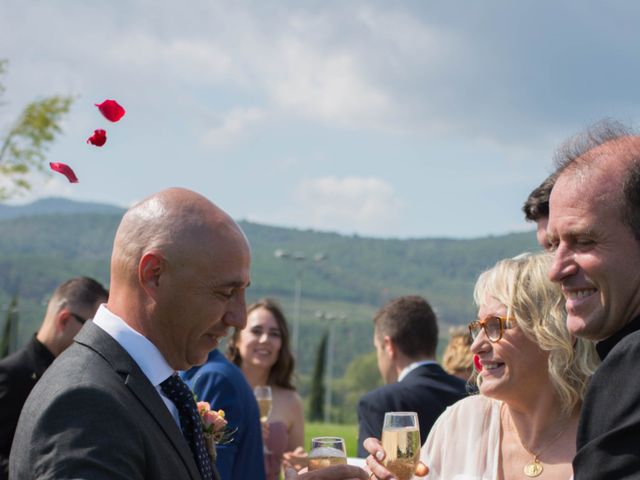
(464, 443)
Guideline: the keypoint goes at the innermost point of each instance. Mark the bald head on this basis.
(175, 221)
(594, 227)
(179, 270)
(605, 158)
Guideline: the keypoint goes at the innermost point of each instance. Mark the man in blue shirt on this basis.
(223, 385)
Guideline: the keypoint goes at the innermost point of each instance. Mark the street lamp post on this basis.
(300, 259)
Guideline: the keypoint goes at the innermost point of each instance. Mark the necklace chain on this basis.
(534, 468)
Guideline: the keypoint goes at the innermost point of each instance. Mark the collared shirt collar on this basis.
(409, 368)
(142, 350)
(605, 346)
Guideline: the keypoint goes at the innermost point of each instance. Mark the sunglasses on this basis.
(78, 318)
(493, 327)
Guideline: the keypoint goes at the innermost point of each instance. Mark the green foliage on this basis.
(361, 376)
(39, 252)
(347, 431)
(9, 335)
(24, 146)
(316, 398)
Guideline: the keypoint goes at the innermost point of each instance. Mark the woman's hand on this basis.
(335, 472)
(298, 459)
(374, 461)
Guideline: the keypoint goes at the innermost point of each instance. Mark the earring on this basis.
(476, 363)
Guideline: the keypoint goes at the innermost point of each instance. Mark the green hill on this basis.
(37, 252)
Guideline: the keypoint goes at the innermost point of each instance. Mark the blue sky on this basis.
(387, 119)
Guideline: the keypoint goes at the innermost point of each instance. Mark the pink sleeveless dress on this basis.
(277, 444)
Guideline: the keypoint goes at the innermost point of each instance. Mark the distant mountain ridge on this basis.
(51, 240)
(56, 205)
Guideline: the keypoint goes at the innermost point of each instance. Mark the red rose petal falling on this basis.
(99, 138)
(111, 110)
(476, 363)
(65, 170)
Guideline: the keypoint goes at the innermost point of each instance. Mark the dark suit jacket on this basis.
(609, 429)
(19, 372)
(94, 415)
(223, 385)
(426, 390)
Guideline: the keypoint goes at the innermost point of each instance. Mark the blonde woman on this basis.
(532, 379)
(457, 358)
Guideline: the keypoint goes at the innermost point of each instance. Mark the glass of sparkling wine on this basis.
(326, 451)
(401, 442)
(265, 402)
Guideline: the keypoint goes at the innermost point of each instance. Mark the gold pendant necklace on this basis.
(534, 468)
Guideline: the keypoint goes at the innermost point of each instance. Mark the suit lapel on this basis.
(136, 381)
(150, 399)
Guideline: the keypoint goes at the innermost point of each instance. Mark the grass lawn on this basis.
(348, 432)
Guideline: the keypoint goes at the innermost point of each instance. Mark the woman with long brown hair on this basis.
(262, 352)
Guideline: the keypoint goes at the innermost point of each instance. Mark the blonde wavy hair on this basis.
(522, 285)
(457, 358)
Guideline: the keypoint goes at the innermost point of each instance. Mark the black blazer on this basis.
(609, 428)
(19, 372)
(95, 415)
(426, 390)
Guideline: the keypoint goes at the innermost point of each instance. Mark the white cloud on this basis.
(350, 204)
(326, 86)
(232, 126)
(194, 61)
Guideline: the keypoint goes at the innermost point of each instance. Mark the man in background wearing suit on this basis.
(112, 406)
(222, 384)
(71, 305)
(405, 337)
(536, 209)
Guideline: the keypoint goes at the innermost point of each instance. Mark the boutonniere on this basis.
(214, 428)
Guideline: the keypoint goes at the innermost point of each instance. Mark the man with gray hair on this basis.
(594, 230)
(71, 305)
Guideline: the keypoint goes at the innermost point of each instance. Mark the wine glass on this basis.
(327, 451)
(401, 442)
(265, 403)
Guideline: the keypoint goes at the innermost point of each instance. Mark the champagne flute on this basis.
(327, 451)
(401, 442)
(265, 403)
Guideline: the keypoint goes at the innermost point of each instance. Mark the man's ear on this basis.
(150, 269)
(389, 347)
(62, 319)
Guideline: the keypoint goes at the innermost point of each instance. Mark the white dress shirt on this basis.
(143, 352)
(412, 366)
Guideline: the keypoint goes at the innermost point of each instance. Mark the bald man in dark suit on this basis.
(111, 406)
